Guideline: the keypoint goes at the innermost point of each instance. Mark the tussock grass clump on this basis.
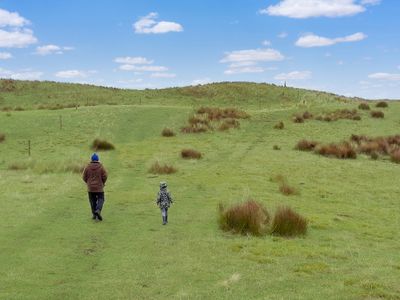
(190, 154)
(305, 145)
(250, 217)
(286, 189)
(216, 113)
(18, 166)
(288, 223)
(340, 114)
(298, 119)
(104, 145)
(377, 114)
(19, 108)
(2, 137)
(276, 147)
(343, 150)
(279, 125)
(167, 132)
(364, 106)
(395, 156)
(382, 104)
(158, 168)
(195, 128)
(228, 124)
(307, 115)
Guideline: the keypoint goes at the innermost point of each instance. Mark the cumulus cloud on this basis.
(17, 38)
(245, 61)
(266, 43)
(312, 40)
(148, 24)
(295, 75)
(5, 55)
(68, 74)
(138, 60)
(51, 49)
(371, 2)
(20, 75)
(282, 35)
(385, 76)
(143, 68)
(12, 19)
(301, 9)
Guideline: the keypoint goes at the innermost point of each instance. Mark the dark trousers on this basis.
(96, 201)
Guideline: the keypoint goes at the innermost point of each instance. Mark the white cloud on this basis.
(295, 75)
(138, 60)
(266, 43)
(5, 55)
(254, 69)
(370, 2)
(74, 74)
(312, 40)
(148, 24)
(20, 75)
(18, 38)
(253, 55)
(301, 9)
(163, 75)
(385, 76)
(201, 81)
(12, 19)
(282, 35)
(242, 64)
(51, 49)
(143, 68)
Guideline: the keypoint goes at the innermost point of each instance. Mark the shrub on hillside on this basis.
(343, 150)
(279, 125)
(305, 145)
(2, 137)
(377, 114)
(298, 119)
(104, 145)
(167, 132)
(364, 106)
(288, 223)
(250, 217)
(158, 168)
(382, 104)
(190, 154)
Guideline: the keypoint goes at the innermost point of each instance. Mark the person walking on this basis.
(95, 176)
(164, 201)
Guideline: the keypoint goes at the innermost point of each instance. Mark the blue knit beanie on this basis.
(95, 157)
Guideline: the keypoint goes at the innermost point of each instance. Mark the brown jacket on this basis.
(95, 177)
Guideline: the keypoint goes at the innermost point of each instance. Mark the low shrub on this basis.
(364, 106)
(216, 113)
(288, 223)
(305, 145)
(395, 156)
(250, 217)
(228, 124)
(343, 150)
(287, 190)
(102, 145)
(167, 132)
(2, 137)
(339, 114)
(298, 119)
(375, 156)
(276, 147)
(195, 128)
(190, 154)
(382, 104)
(158, 168)
(377, 114)
(19, 108)
(279, 125)
(307, 115)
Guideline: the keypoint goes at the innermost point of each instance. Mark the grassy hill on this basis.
(51, 249)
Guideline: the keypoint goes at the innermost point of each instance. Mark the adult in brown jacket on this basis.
(95, 177)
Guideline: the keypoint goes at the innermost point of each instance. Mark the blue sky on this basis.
(349, 47)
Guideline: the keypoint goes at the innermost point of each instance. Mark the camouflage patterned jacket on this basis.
(164, 198)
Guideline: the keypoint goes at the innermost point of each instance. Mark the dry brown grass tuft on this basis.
(382, 104)
(307, 115)
(158, 168)
(288, 223)
(228, 124)
(190, 154)
(340, 114)
(276, 147)
(167, 132)
(377, 114)
(395, 156)
(102, 145)
(195, 128)
(279, 125)
(343, 150)
(287, 190)
(216, 113)
(250, 217)
(364, 106)
(304, 145)
(298, 119)
(2, 137)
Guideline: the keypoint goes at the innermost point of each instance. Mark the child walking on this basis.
(164, 201)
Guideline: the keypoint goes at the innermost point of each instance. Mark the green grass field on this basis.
(51, 249)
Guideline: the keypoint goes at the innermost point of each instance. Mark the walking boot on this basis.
(164, 221)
